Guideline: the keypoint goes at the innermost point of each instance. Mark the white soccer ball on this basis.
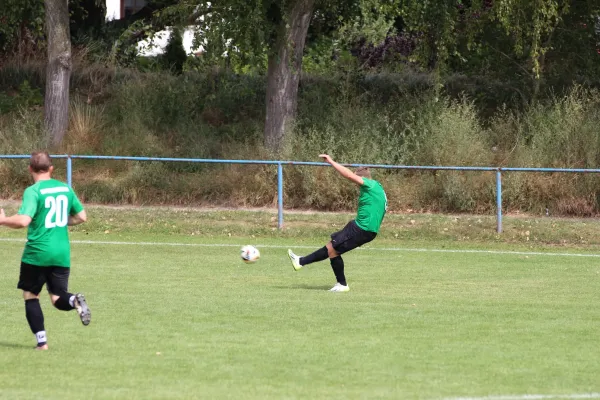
(250, 254)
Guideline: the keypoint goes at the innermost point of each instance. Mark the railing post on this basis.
(69, 171)
(279, 196)
(499, 200)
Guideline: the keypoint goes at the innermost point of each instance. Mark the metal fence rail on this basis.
(69, 159)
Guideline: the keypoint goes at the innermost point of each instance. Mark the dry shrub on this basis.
(319, 188)
(222, 117)
(213, 116)
(559, 193)
(454, 137)
(561, 134)
(14, 178)
(576, 206)
(402, 190)
(455, 191)
(94, 82)
(239, 185)
(86, 128)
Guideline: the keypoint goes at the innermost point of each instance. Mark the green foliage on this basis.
(531, 25)
(21, 25)
(87, 17)
(320, 57)
(565, 132)
(436, 23)
(452, 135)
(19, 134)
(24, 97)
(244, 30)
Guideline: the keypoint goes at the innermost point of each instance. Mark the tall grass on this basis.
(561, 134)
(383, 119)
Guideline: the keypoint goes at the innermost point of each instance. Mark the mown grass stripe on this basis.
(270, 246)
(532, 397)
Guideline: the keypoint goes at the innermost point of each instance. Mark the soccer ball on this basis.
(250, 254)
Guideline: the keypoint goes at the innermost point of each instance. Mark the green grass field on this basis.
(184, 322)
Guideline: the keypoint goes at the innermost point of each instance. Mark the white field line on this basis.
(532, 397)
(272, 246)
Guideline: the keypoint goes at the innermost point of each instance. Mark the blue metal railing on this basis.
(69, 159)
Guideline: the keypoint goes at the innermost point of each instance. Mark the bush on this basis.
(560, 134)
(379, 119)
(24, 97)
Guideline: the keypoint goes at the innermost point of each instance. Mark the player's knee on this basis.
(30, 296)
(54, 298)
(331, 251)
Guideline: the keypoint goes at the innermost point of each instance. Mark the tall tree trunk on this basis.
(284, 70)
(58, 70)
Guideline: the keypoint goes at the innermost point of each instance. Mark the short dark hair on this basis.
(40, 161)
(365, 172)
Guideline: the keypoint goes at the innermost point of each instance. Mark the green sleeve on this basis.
(30, 203)
(76, 206)
(368, 183)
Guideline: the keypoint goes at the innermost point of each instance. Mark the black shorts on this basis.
(351, 237)
(32, 278)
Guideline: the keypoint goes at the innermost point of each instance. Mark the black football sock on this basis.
(35, 317)
(64, 302)
(318, 255)
(337, 264)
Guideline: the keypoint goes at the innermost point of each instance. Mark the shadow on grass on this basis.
(15, 345)
(305, 287)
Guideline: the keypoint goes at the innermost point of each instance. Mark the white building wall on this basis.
(113, 10)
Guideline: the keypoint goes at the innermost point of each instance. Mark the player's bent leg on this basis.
(331, 252)
(64, 302)
(58, 284)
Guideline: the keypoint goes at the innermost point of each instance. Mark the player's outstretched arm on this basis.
(16, 221)
(78, 218)
(345, 172)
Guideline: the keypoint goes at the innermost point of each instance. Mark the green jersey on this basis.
(372, 205)
(49, 204)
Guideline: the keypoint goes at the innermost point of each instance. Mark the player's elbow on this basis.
(82, 216)
(22, 222)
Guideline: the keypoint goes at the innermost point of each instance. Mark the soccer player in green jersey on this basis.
(48, 207)
(372, 205)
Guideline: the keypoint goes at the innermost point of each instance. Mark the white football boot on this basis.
(340, 288)
(295, 260)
